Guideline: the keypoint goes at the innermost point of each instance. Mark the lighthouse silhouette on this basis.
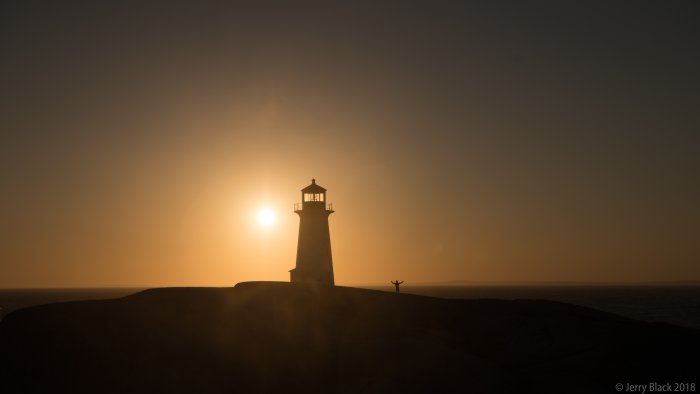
(314, 258)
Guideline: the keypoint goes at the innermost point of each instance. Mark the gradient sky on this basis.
(487, 141)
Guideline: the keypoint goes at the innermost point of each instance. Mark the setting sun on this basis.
(265, 217)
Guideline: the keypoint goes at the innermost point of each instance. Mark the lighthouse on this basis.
(314, 258)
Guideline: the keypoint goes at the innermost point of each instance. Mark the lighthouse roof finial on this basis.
(313, 188)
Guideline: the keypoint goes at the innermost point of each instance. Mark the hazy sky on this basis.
(458, 140)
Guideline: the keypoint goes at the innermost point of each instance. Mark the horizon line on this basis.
(414, 284)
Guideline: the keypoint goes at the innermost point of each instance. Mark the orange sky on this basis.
(456, 143)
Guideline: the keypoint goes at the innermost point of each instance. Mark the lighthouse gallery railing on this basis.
(298, 206)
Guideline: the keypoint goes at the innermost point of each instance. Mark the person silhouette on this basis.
(396, 283)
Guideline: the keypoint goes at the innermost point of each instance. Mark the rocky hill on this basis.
(281, 337)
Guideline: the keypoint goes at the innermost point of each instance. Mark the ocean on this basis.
(13, 299)
(679, 305)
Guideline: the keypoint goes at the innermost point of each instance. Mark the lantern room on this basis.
(313, 195)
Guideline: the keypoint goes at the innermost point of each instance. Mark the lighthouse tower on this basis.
(314, 259)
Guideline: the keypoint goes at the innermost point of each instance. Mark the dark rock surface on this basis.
(279, 337)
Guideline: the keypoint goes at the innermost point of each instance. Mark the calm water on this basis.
(678, 305)
(675, 304)
(12, 299)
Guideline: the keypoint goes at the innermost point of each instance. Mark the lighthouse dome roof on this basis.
(313, 188)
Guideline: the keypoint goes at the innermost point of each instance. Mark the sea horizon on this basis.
(451, 283)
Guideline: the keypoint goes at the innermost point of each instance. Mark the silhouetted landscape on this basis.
(510, 187)
(282, 337)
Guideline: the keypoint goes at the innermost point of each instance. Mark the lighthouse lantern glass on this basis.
(314, 197)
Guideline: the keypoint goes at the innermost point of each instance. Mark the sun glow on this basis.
(265, 217)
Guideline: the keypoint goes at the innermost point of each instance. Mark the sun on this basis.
(265, 217)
